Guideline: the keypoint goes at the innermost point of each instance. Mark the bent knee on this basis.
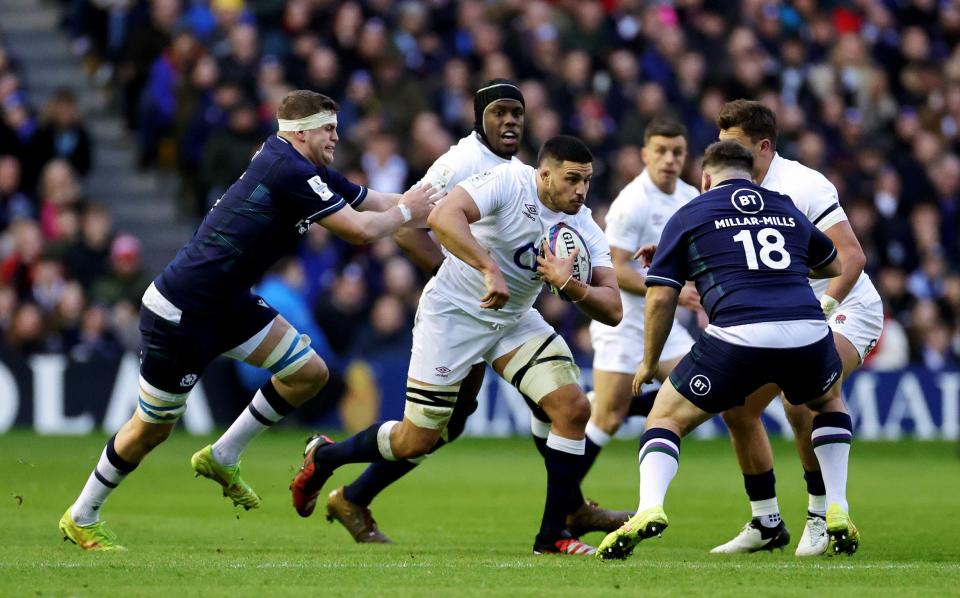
(309, 379)
(741, 418)
(608, 421)
(151, 435)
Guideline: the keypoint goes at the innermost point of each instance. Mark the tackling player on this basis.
(854, 313)
(479, 306)
(749, 250)
(201, 305)
(636, 218)
(498, 108)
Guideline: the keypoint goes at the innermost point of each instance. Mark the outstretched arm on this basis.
(658, 320)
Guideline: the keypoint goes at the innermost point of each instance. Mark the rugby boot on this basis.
(205, 464)
(95, 536)
(620, 543)
(306, 485)
(571, 546)
(844, 537)
(357, 519)
(814, 540)
(591, 517)
(755, 537)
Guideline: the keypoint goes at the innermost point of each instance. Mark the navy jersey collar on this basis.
(734, 182)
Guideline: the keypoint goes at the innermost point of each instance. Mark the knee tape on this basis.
(429, 405)
(291, 353)
(158, 406)
(541, 366)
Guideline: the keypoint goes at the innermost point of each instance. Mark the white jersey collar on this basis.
(774, 166)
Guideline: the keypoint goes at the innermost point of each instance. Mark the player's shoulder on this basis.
(685, 190)
(799, 181)
(632, 196)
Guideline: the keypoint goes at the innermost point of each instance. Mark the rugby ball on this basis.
(562, 239)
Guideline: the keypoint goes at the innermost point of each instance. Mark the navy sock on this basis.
(563, 493)
(760, 486)
(589, 456)
(541, 444)
(814, 481)
(359, 448)
(374, 479)
(642, 404)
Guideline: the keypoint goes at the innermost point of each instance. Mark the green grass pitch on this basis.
(463, 525)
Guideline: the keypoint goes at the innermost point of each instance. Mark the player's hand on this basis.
(497, 292)
(645, 254)
(420, 199)
(645, 373)
(555, 270)
(689, 297)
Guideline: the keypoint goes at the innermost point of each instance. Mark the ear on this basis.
(706, 182)
(766, 146)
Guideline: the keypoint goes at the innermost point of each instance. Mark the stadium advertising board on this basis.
(54, 394)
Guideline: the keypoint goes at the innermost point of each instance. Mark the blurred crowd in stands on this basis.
(866, 91)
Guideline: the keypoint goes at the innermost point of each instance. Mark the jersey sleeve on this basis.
(626, 221)
(669, 266)
(444, 174)
(823, 204)
(309, 194)
(353, 193)
(821, 249)
(487, 189)
(596, 243)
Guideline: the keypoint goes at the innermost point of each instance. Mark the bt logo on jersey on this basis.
(700, 385)
(747, 201)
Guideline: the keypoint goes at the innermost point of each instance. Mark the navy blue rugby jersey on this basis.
(259, 219)
(749, 250)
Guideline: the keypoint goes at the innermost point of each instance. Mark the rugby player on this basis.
(479, 306)
(201, 305)
(854, 313)
(749, 250)
(498, 109)
(636, 218)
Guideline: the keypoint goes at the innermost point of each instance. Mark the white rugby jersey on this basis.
(817, 198)
(512, 223)
(468, 157)
(636, 218)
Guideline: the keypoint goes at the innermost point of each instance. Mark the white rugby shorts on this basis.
(448, 341)
(860, 320)
(620, 349)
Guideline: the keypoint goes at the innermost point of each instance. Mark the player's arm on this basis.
(628, 278)
(660, 308)
(451, 221)
(851, 261)
(420, 247)
(600, 300)
(824, 257)
(368, 226)
(379, 201)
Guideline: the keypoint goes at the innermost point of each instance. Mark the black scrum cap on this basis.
(490, 92)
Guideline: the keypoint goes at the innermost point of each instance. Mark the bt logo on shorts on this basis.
(700, 385)
(443, 371)
(188, 380)
(747, 201)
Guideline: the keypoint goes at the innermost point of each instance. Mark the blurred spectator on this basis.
(228, 152)
(62, 134)
(14, 204)
(126, 281)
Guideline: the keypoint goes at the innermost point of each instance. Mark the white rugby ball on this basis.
(562, 240)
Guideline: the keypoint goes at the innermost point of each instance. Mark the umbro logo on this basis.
(443, 371)
(530, 211)
(262, 303)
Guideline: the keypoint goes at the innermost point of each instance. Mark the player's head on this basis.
(564, 170)
(725, 160)
(498, 116)
(664, 152)
(753, 125)
(308, 120)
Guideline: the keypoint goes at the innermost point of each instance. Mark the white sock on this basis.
(383, 439)
(259, 415)
(596, 435)
(759, 508)
(817, 504)
(106, 476)
(566, 445)
(659, 462)
(833, 453)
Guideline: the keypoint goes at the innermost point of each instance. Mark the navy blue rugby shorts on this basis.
(173, 356)
(716, 375)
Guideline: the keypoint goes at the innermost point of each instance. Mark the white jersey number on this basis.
(771, 242)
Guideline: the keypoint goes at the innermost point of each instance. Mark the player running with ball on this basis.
(480, 306)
